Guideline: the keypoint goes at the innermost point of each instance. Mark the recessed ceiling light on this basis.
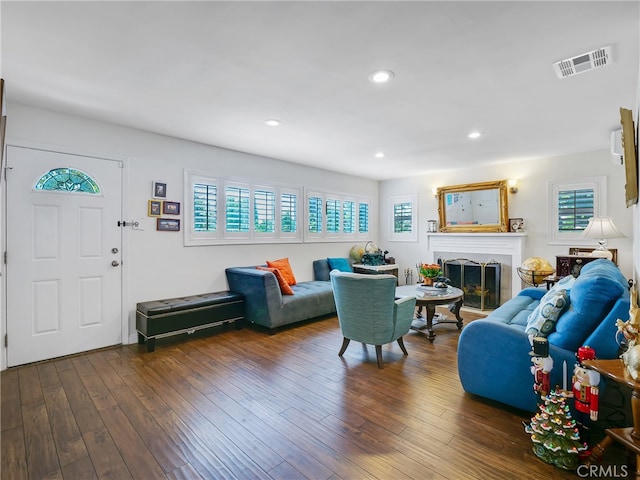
(381, 76)
(379, 154)
(272, 122)
(475, 135)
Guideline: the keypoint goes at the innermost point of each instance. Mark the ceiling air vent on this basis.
(583, 63)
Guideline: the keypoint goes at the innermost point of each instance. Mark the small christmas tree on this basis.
(555, 435)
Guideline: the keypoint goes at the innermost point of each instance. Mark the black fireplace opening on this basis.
(480, 281)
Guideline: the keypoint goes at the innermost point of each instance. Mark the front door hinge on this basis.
(6, 340)
(4, 257)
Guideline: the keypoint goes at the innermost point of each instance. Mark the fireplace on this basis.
(506, 248)
(480, 281)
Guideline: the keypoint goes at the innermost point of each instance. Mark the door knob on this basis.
(115, 263)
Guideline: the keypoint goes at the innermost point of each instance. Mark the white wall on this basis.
(530, 203)
(156, 264)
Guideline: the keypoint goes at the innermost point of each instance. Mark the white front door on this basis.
(63, 254)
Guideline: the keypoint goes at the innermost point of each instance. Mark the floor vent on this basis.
(583, 63)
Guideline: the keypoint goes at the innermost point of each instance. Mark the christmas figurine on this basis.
(555, 435)
(585, 391)
(542, 366)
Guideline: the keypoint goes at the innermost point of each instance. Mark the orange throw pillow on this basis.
(284, 286)
(285, 268)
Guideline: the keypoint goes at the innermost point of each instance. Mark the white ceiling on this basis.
(213, 72)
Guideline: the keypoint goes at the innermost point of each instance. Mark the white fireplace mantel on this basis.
(507, 244)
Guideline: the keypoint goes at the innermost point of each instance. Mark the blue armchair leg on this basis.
(401, 343)
(345, 344)
(379, 355)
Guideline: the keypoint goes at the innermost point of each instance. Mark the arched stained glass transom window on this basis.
(67, 180)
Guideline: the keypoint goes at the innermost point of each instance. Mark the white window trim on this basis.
(411, 236)
(599, 186)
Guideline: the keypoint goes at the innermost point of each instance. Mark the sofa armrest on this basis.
(604, 339)
(494, 362)
(262, 295)
(321, 270)
(533, 292)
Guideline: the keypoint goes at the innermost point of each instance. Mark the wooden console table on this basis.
(571, 264)
(387, 268)
(630, 436)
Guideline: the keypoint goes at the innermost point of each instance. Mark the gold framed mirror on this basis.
(474, 207)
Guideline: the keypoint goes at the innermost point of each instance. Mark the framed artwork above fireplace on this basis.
(474, 207)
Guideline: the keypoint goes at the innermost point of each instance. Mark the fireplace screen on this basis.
(480, 282)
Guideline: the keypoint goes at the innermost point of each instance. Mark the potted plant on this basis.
(429, 272)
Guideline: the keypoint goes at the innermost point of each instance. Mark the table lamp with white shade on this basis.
(602, 229)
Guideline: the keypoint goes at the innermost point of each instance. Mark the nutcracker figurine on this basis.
(585, 392)
(542, 366)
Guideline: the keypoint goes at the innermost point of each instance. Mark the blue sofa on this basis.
(265, 304)
(493, 353)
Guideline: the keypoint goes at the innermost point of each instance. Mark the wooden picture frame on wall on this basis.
(168, 224)
(170, 208)
(630, 156)
(155, 208)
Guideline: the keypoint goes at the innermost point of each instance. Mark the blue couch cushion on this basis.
(341, 264)
(592, 295)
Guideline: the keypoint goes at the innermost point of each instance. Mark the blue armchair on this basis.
(368, 311)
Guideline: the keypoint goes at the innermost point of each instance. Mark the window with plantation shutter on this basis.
(205, 207)
(221, 211)
(404, 215)
(571, 205)
(264, 211)
(333, 216)
(237, 209)
(575, 208)
(348, 216)
(288, 212)
(315, 214)
(363, 218)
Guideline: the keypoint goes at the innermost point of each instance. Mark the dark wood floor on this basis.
(245, 404)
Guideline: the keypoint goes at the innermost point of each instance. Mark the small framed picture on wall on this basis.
(168, 224)
(171, 208)
(155, 208)
(159, 190)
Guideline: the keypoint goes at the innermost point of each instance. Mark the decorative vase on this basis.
(428, 281)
